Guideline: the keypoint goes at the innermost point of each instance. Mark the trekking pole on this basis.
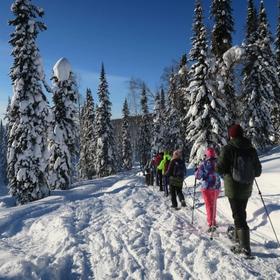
(267, 213)
(194, 189)
(186, 186)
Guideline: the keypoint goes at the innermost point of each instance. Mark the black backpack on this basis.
(243, 168)
(179, 169)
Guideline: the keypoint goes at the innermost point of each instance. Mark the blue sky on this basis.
(133, 38)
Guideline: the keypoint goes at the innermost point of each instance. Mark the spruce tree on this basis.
(158, 125)
(162, 100)
(28, 114)
(206, 124)
(173, 124)
(87, 138)
(126, 139)
(277, 40)
(3, 154)
(64, 129)
(251, 23)
(276, 109)
(260, 86)
(183, 82)
(221, 13)
(105, 163)
(145, 130)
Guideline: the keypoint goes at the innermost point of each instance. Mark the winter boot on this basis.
(232, 234)
(243, 247)
(235, 236)
(212, 229)
(244, 241)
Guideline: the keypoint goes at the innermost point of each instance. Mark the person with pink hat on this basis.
(210, 186)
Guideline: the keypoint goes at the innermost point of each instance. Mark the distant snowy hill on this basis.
(116, 228)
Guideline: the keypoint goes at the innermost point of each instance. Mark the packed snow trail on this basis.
(116, 228)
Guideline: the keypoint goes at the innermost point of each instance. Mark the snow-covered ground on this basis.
(116, 228)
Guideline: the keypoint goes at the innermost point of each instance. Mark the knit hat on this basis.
(235, 131)
(210, 153)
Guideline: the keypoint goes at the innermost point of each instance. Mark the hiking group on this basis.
(237, 165)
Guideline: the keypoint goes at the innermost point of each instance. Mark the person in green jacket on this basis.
(163, 166)
(239, 164)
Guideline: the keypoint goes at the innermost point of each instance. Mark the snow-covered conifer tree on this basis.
(158, 125)
(64, 130)
(260, 86)
(3, 154)
(251, 23)
(162, 100)
(221, 13)
(87, 136)
(277, 39)
(29, 112)
(105, 163)
(126, 139)
(206, 124)
(276, 109)
(184, 104)
(183, 79)
(173, 138)
(145, 130)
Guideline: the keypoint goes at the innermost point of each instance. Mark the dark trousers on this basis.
(238, 208)
(149, 179)
(165, 184)
(174, 192)
(159, 179)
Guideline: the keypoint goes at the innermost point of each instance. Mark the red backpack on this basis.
(158, 159)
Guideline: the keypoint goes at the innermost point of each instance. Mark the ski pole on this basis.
(186, 186)
(194, 189)
(267, 213)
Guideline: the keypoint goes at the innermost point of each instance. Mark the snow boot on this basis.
(232, 234)
(244, 241)
(212, 229)
(243, 247)
(235, 236)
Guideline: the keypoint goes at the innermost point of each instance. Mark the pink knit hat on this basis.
(210, 153)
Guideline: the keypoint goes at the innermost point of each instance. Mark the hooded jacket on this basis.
(207, 173)
(165, 160)
(224, 167)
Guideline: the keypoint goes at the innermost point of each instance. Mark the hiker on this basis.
(210, 186)
(153, 167)
(239, 164)
(150, 171)
(163, 167)
(176, 173)
(148, 174)
(158, 159)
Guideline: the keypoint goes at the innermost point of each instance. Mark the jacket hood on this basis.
(167, 156)
(241, 143)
